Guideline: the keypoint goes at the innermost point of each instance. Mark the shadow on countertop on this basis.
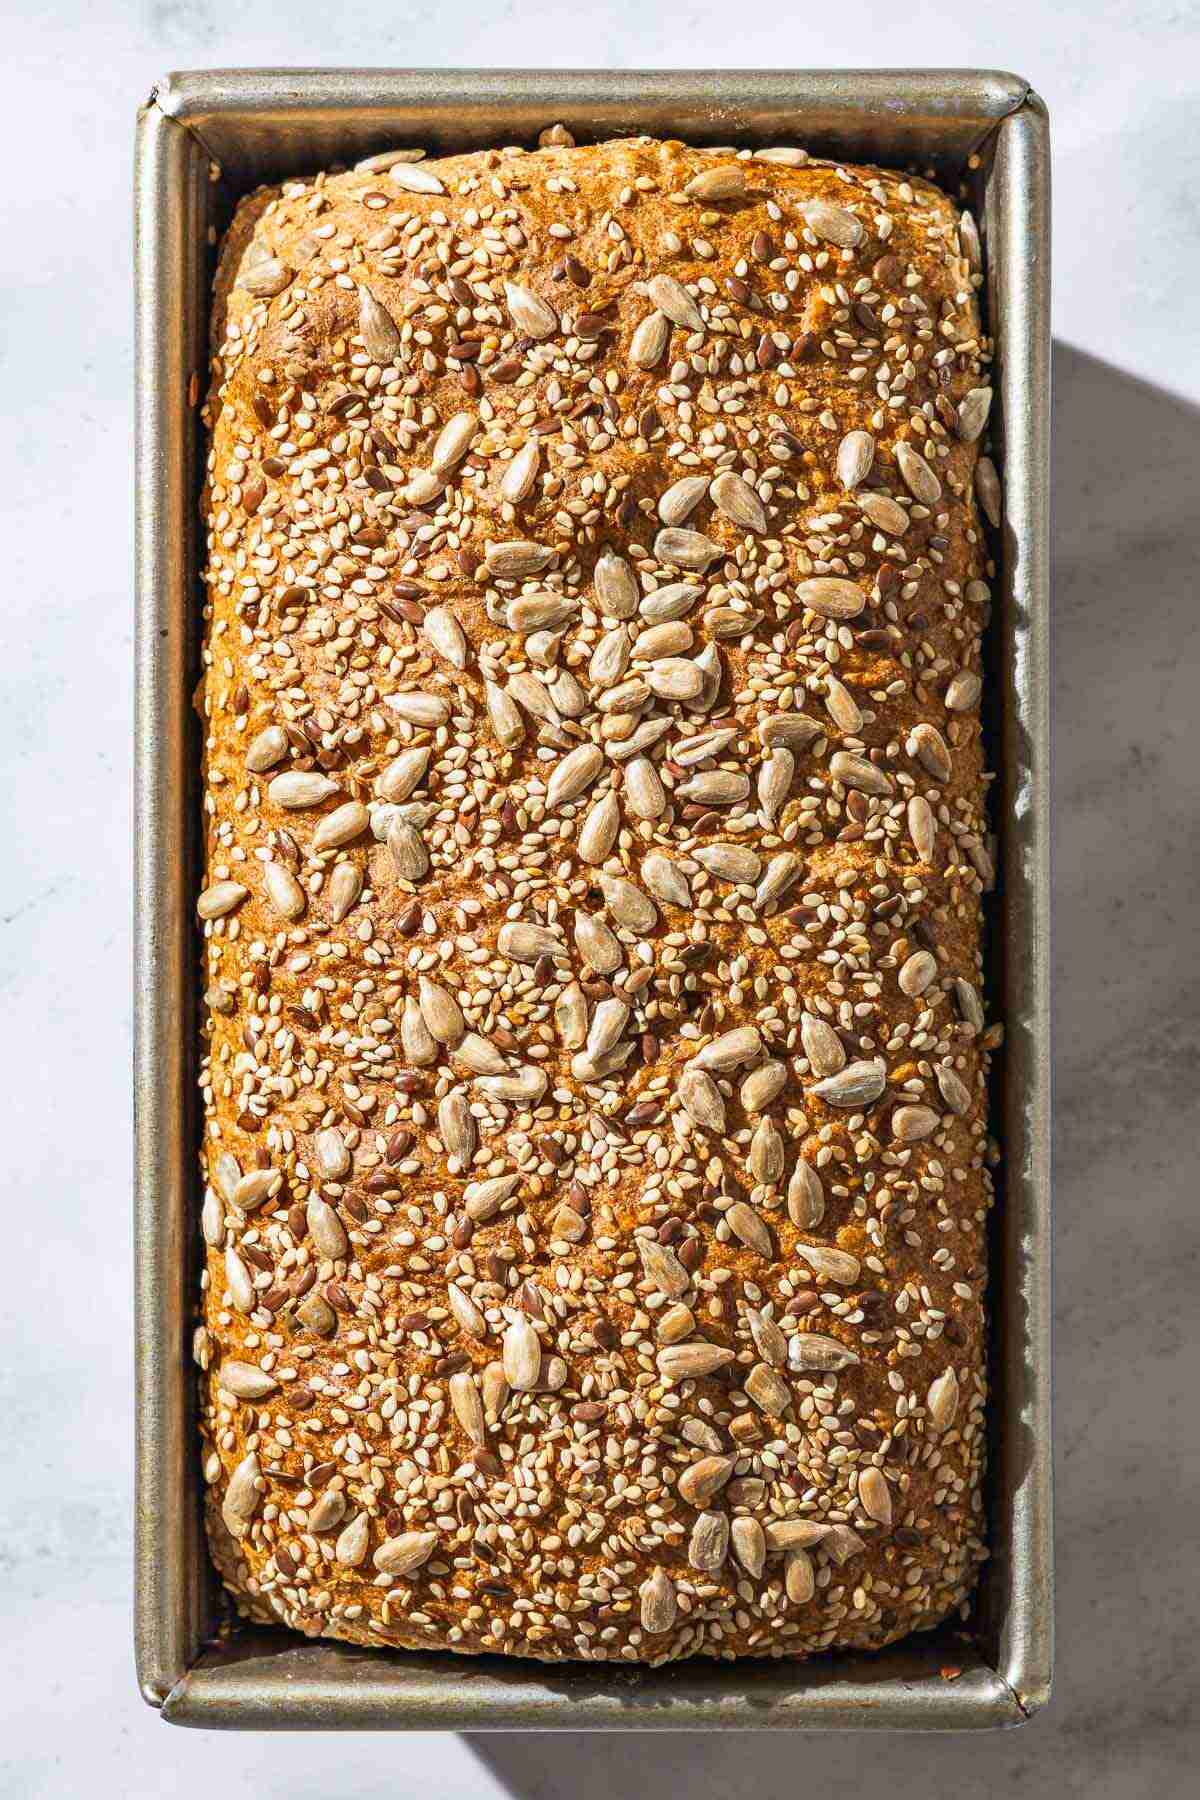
(1123, 1722)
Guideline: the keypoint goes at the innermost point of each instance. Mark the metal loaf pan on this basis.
(204, 139)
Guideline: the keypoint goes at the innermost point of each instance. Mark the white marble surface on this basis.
(1119, 78)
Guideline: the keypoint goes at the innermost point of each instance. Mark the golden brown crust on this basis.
(462, 1290)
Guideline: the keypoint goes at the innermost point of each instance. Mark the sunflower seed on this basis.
(615, 586)
(805, 1197)
(530, 314)
(875, 1495)
(521, 473)
(522, 1356)
(858, 1084)
(917, 475)
(731, 1050)
(671, 602)
(221, 898)
(921, 827)
(973, 410)
(681, 500)
(830, 1265)
(599, 947)
(666, 880)
(833, 223)
(916, 973)
(662, 1267)
(402, 1555)
(648, 345)
(690, 751)
(407, 850)
(799, 1577)
(446, 636)
(748, 1227)
(700, 1098)
(267, 749)
(812, 1350)
(344, 824)
(675, 1323)
(333, 1157)
(767, 1388)
(674, 300)
(786, 154)
(885, 514)
(822, 1045)
(627, 904)
(440, 1011)
(419, 1044)
(762, 1085)
(963, 691)
(774, 783)
(857, 772)
(540, 612)
(702, 1480)
(587, 1068)
(953, 1090)
(423, 486)
(242, 1496)
(769, 1340)
(299, 789)
(645, 795)
(830, 597)
(495, 1390)
(794, 1534)
(607, 1028)
(237, 1280)
(730, 862)
(989, 492)
(377, 329)
(418, 707)
(533, 696)
(212, 1220)
(856, 453)
(410, 177)
(526, 1086)
(256, 1187)
(265, 277)
(942, 1400)
(573, 775)
(766, 1153)
(709, 1543)
(749, 1545)
(737, 500)
(326, 1229)
(329, 1511)
(726, 182)
(523, 942)
(969, 1003)
(467, 1315)
(598, 832)
(467, 1405)
(657, 1603)
(715, 787)
(912, 1123)
(842, 706)
(675, 678)
(454, 440)
(794, 730)
(515, 559)
(457, 1127)
(686, 549)
(351, 1547)
(245, 1381)
(687, 1362)
(929, 747)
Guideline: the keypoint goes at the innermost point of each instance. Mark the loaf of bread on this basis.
(595, 1152)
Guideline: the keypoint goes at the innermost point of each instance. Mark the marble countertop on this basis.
(1119, 81)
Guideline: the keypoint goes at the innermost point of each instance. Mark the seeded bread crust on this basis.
(594, 1066)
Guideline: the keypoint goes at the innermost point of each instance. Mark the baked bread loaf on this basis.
(594, 1071)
